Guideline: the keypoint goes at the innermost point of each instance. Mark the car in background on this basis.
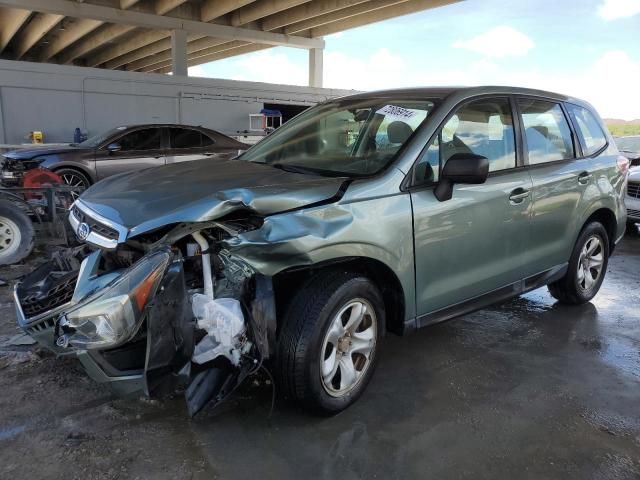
(122, 149)
(630, 148)
(632, 199)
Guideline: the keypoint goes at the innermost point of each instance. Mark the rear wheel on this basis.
(587, 267)
(16, 234)
(330, 340)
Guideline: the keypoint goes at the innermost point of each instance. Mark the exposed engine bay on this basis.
(169, 310)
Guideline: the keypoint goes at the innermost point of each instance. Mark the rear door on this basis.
(188, 144)
(559, 181)
(476, 242)
(139, 149)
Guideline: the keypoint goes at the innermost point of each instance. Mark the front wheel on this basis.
(330, 341)
(587, 267)
(74, 178)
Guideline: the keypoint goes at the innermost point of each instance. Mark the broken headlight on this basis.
(113, 315)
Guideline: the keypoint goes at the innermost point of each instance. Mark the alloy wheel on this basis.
(348, 347)
(74, 179)
(590, 262)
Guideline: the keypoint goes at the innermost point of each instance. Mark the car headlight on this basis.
(113, 315)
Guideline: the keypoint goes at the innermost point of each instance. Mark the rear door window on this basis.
(591, 135)
(546, 131)
(145, 139)
(181, 138)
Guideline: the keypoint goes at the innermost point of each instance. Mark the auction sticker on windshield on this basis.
(396, 112)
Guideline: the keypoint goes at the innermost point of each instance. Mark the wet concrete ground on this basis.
(527, 389)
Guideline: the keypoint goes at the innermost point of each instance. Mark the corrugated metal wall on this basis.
(56, 99)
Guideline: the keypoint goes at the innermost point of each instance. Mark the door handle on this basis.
(584, 178)
(518, 195)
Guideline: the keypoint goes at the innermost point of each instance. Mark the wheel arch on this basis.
(607, 218)
(381, 274)
(78, 168)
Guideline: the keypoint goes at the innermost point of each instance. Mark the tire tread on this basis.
(300, 320)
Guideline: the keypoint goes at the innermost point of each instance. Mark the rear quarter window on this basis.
(591, 135)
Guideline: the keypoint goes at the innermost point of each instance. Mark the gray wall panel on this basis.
(58, 98)
(221, 115)
(108, 110)
(56, 113)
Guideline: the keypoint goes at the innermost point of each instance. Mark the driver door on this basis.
(138, 149)
(476, 242)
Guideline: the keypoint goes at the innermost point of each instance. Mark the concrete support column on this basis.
(315, 67)
(179, 52)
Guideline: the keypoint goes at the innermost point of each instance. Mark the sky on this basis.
(585, 48)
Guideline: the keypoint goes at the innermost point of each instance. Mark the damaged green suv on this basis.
(374, 213)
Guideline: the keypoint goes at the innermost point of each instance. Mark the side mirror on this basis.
(461, 168)
(114, 147)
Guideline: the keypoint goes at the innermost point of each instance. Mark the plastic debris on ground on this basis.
(18, 340)
(223, 321)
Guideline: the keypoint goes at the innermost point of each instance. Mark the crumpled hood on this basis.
(32, 152)
(202, 190)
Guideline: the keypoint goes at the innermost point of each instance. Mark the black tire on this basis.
(16, 234)
(311, 313)
(569, 289)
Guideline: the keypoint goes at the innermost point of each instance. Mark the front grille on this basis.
(60, 293)
(98, 228)
(633, 213)
(633, 189)
(41, 326)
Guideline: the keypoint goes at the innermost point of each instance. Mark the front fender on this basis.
(379, 229)
(84, 166)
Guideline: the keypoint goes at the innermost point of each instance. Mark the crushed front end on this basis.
(165, 311)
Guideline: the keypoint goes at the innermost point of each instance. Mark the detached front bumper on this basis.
(44, 296)
(42, 329)
(156, 358)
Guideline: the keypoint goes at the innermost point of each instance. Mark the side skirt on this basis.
(495, 296)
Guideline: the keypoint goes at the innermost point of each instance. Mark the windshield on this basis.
(628, 144)
(96, 140)
(353, 137)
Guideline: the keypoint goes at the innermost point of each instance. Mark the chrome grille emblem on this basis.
(83, 231)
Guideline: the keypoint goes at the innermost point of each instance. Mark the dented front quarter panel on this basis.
(372, 220)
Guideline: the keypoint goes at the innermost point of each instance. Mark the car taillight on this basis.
(623, 164)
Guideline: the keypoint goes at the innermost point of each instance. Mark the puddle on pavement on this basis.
(622, 356)
(9, 432)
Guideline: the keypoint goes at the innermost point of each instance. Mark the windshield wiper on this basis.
(312, 171)
(297, 169)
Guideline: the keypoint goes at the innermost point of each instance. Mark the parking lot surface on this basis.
(527, 389)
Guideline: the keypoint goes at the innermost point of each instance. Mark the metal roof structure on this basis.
(165, 36)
